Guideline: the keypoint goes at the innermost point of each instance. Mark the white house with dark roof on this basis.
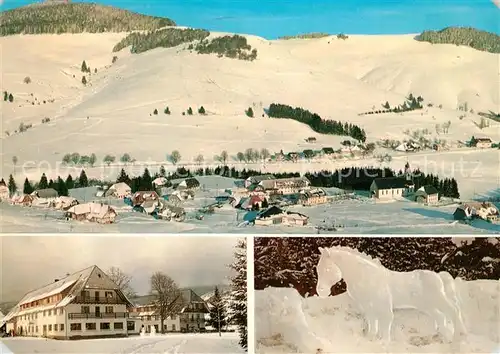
(191, 317)
(427, 194)
(389, 188)
(482, 143)
(254, 180)
(85, 304)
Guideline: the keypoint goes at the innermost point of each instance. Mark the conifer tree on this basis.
(84, 80)
(163, 173)
(43, 182)
(201, 110)
(239, 291)
(12, 185)
(83, 181)
(62, 189)
(123, 177)
(146, 181)
(84, 67)
(167, 110)
(52, 184)
(218, 317)
(70, 184)
(27, 188)
(11, 98)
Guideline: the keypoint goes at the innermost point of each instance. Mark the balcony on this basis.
(77, 316)
(97, 300)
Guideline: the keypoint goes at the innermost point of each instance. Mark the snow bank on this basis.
(285, 322)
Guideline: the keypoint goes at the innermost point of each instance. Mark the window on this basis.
(44, 328)
(55, 327)
(90, 326)
(50, 328)
(61, 311)
(75, 327)
(108, 294)
(61, 327)
(50, 312)
(131, 326)
(118, 325)
(85, 309)
(109, 309)
(85, 294)
(173, 327)
(105, 326)
(96, 294)
(36, 329)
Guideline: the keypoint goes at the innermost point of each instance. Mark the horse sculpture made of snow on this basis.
(379, 291)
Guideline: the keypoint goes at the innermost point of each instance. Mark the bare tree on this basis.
(265, 154)
(199, 159)
(175, 157)
(14, 161)
(168, 297)
(224, 156)
(249, 155)
(122, 280)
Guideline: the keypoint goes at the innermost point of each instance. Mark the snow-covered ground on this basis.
(335, 325)
(164, 344)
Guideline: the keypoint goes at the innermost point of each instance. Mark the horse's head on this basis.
(329, 273)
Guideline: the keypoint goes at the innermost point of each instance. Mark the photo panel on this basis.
(377, 294)
(118, 294)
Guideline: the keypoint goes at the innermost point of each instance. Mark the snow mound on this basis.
(285, 322)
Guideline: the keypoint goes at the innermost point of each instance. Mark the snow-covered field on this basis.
(164, 344)
(113, 113)
(348, 217)
(335, 325)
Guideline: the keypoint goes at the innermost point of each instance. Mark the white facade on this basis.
(86, 304)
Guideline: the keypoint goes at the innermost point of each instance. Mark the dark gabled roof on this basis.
(430, 190)
(46, 193)
(274, 210)
(390, 182)
(192, 183)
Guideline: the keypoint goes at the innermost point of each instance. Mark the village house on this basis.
(285, 186)
(481, 143)
(313, 197)
(159, 182)
(253, 202)
(477, 210)
(391, 188)
(94, 212)
(47, 193)
(292, 156)
(311, 139)
(276, 216)
(427, 195)
(63, 203)
(4, 191)
(191, 317)
(86, 304)
(22, 199)
(186, 184)
(118, 190)
(280, 156)
(409, 146)
(141, 196)
(255, 180)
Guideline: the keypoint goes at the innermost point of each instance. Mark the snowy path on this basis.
(166, 344)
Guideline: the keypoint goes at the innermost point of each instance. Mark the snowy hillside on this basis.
(167, 344)
(287, 323)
